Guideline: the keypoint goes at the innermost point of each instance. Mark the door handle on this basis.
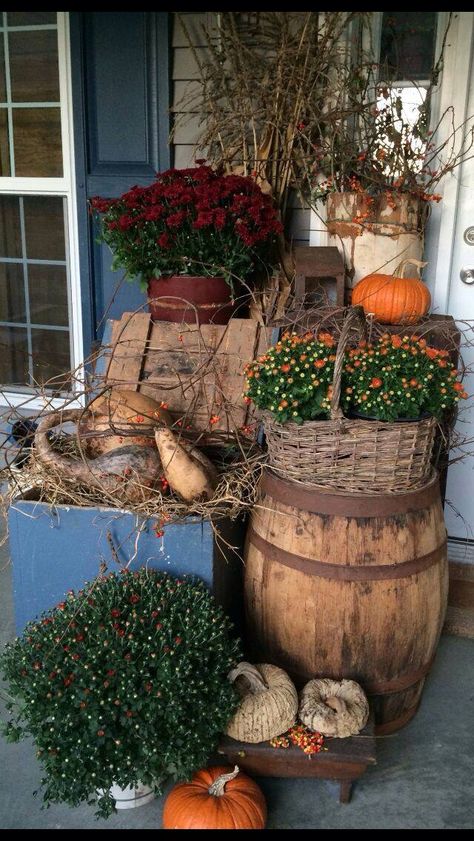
(467, 276)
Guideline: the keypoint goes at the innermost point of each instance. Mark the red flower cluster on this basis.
(196, 215)
(302, 737)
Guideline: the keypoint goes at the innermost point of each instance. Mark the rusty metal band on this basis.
(397, 723)
(348, 505)
(399, 684)
(386, 687)
(340, 572)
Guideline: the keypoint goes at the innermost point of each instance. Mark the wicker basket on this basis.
(364, 456)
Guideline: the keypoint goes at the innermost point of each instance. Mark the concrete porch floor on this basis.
(422, 780)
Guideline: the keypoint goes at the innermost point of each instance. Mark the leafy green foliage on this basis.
(293, 378)
(123, 682)
(400, 377)
(397, 377)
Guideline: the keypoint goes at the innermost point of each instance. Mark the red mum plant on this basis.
(192, 221)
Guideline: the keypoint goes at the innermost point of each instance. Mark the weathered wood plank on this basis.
(129, 339)
(198, 372)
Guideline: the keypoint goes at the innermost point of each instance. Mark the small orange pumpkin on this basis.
(393, 299)
(216, 799)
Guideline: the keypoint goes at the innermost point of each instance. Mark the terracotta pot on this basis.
(183, 297)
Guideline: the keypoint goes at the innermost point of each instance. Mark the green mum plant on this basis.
(400, 377)
(396, 377)
(123, 682)
(293, 378)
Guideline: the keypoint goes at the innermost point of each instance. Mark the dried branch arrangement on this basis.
(297, 101)
(181, 375)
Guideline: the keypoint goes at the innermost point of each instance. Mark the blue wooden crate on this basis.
(56, 549)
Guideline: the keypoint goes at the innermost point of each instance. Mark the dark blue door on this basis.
(120, 66)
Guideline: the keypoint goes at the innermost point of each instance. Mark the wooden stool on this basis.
(344, 761)
(319, 275)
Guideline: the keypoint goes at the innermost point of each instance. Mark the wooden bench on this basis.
(344, 761)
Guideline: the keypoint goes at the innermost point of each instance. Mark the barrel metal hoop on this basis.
(386, 687)
(395, 724)
(399, 684)
(340, 572)
(325, 502)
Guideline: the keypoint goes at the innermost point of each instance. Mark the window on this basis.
(407, 56)
(38, 309)
(407, 45)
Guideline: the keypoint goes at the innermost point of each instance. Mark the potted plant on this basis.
(194, 237)
(122, 684)
(303, 384)
(399, 378)
(381, 161)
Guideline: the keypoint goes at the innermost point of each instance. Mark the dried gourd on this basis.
(128, 473)
(269, 703)
(334, 708)
(189, 472)
(120, 418)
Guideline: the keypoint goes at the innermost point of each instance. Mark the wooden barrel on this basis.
(348, 586)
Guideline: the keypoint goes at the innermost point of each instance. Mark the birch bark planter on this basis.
(380, 240)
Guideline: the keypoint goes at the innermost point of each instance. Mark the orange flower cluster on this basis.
(400, 376)
(309, 741)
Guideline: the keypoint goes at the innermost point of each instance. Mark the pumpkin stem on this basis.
(400, 270)
(251, 674)
(336, 704)
(217, 788)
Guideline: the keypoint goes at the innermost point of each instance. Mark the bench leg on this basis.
(345, 791)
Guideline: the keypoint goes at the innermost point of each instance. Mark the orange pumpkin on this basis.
(393, 299)
(216, 799)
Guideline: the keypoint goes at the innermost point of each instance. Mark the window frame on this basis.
(64, 187)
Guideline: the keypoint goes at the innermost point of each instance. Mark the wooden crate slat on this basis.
(129, 339)
(198, 372)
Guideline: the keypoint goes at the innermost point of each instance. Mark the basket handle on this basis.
(355, 317)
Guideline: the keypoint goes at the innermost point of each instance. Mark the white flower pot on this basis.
(131, 798)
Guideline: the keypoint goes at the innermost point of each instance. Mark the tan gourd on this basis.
(113, 417)
(129, 472)
(334, 708)
(269, 703)
(189, 472)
